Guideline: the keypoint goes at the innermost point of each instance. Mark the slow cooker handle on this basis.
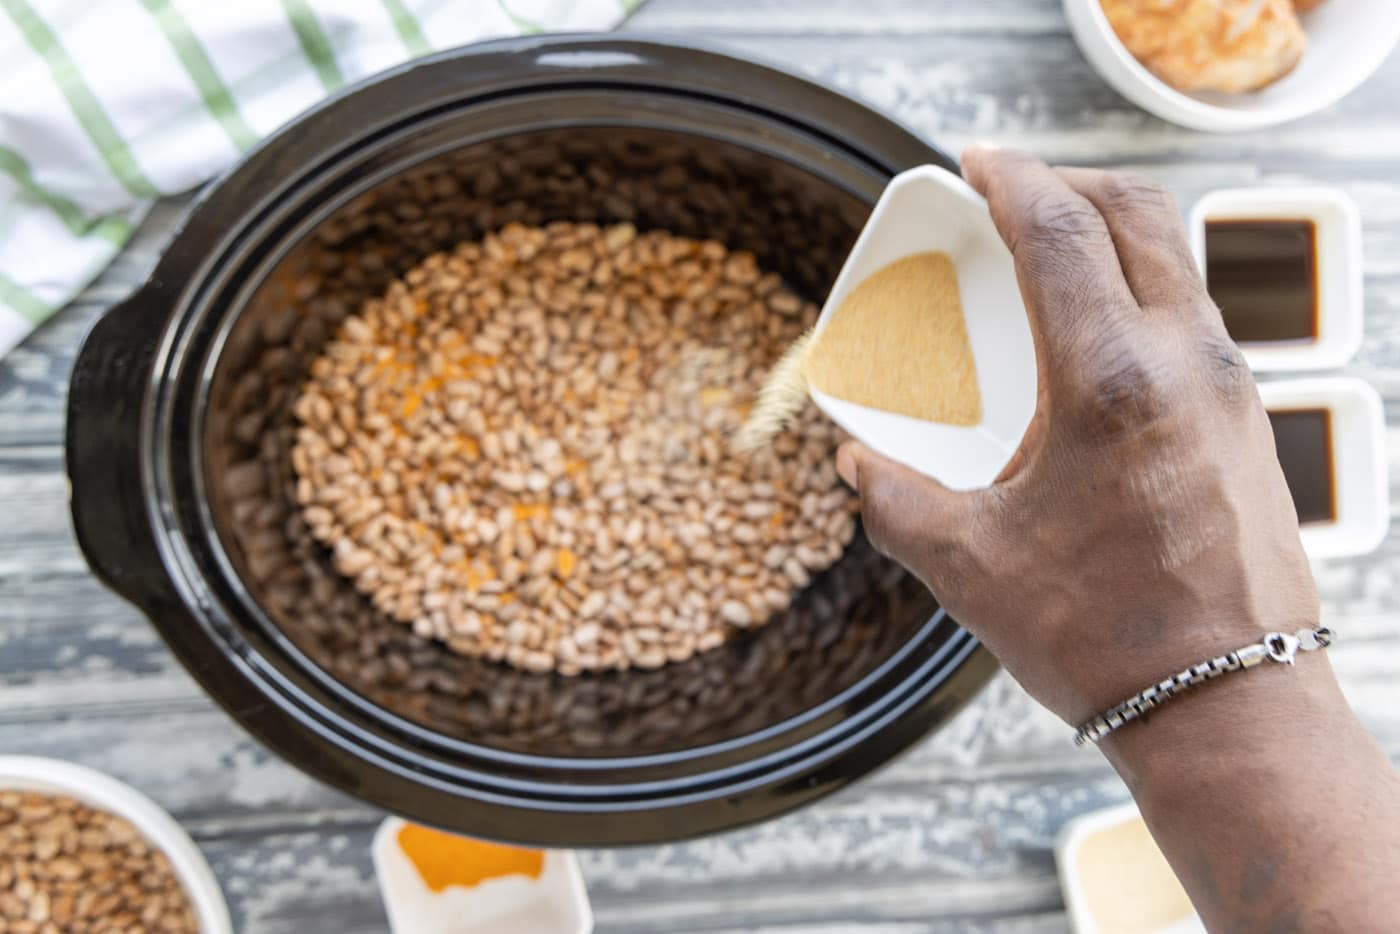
(106, 394)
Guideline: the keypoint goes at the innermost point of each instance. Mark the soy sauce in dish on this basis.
(1263, 275)
(1303, 438)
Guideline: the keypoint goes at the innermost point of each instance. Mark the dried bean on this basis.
(522, 448)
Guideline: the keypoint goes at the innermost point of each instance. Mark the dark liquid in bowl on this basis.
(1304, 441)
(1263, 275)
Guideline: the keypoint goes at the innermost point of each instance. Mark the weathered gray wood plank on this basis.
(838, 19)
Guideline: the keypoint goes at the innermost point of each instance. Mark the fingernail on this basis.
(846, 466)
(981, 146)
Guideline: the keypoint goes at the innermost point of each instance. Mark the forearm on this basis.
(1270, 801)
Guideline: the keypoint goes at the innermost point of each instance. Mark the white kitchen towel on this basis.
(106, 105)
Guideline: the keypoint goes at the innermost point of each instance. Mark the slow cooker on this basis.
(179, 408)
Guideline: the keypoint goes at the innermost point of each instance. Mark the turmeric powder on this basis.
(444, 859)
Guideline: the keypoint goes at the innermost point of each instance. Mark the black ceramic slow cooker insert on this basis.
(180, 392)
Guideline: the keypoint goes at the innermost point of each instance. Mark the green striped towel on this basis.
(106, 105)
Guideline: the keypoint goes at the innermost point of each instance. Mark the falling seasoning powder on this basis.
(898, 343)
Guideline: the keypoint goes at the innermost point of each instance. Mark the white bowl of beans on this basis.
(72, 833)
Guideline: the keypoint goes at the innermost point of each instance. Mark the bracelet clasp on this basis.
(1282, 647)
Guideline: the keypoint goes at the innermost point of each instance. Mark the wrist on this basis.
(1279, 647)
(1264, 791)
(1260, 716)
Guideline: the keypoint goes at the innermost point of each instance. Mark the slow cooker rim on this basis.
(211, 297)
(240, 290)
(207, 296)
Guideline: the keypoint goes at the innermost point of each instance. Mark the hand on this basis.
(1144, 525)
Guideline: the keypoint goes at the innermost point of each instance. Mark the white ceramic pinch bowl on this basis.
(1347, 41)
(930, 209)
(1360, 478)
(1079, 890)
(102, 792)
(555, 903)
(1340, 290)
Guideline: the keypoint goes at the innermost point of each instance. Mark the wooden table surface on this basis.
(957, 834)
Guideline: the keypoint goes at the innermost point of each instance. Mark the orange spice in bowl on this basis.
(445, 859)
(440, 883)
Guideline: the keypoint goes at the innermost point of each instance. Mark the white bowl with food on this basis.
(466, 886)
(962, 455)
(1338, 287)
(36, 781)
(1114, 877)
(1234, 65)
(1330, 434)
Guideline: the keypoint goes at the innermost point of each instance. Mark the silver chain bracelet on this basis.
(1275, 646)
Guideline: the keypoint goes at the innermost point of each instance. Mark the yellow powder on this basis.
(899, 343)
(712, 396)
(444, 859)
(1127, 883)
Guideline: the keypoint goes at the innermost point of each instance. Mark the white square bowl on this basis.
(555, 903)
(1340, 306)
(925, 209)
(1360, 478)
(1077, 889)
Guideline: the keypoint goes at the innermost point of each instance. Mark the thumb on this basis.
(912, 518)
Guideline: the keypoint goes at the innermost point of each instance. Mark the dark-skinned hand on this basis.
(1144, 525)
